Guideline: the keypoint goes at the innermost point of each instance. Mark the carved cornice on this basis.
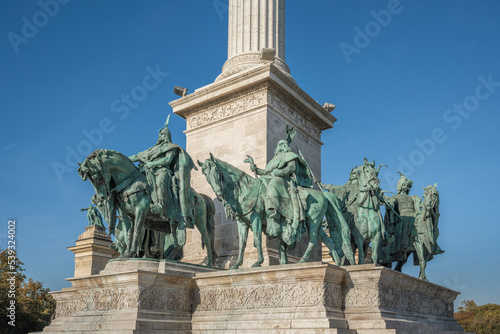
(223, 108)
(293, 110)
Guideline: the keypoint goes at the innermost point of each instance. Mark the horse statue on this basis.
(423, 234)
(243, 198)
(121, 186)
(367, 225)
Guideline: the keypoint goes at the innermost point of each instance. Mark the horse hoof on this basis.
(234, 266)
(256, 265)
(302, 261)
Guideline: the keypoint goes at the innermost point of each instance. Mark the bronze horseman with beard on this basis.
(168, 170)
(284, 174)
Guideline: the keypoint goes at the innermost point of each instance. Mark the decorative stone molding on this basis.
(361, 296)
(393, 297)
(302, 297)
(238, 103)
(66, 308)
(146, 298)
(268, 296)
(293, 111)
(246, 61)
(93, 231)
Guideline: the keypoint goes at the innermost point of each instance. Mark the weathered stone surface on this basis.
(246, 114)
(137, 296)
(92, 251)
(381, 298)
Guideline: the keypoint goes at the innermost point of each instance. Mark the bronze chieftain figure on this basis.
(168, 168)
(414, 224)
(155, 202)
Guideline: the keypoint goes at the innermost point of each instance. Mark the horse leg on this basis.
(358, 240)
(161, 245)
(399, 265)
(375, 247)
(313, 239)
(201, 222)
(242, 236)
(422, 261)
(147, 244)
(282, 252)
(140, 216)
(328, 242)
(257, 237)
(123, 239)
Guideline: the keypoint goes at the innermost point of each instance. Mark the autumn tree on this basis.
(23, 302)
(484, 319)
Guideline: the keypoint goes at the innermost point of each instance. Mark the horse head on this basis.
(96, 172)
(368, 174)
(214, 177)
(431, 197)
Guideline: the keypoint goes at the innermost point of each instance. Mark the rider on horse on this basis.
(168, 171)
(284, 174)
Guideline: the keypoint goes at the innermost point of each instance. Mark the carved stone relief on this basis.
(269, 296)
(240, 103)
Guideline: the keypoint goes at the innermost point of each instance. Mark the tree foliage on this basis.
(33, 304)
(484, 319)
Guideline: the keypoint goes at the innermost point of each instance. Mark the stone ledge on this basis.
(137, 296)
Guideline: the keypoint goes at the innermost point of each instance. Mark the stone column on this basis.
(245, 112)
(253, 26)
(92, 251)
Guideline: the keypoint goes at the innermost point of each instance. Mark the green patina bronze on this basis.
(363, 197)
(281, 201)
(414, 224)
(152, 200)
(93, 216)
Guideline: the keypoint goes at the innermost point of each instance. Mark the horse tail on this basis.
(209, 203)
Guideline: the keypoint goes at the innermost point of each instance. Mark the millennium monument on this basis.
(226, 235)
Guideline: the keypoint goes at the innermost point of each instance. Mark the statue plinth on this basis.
(92, 251)
(157, 296)
(246, 114)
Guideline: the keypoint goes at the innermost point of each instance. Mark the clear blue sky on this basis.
(400, 85)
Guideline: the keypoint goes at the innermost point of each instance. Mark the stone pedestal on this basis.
(153, 297)
(92, 251)
(381, 300)
(246, 114)
(297, 298)
(129, 296)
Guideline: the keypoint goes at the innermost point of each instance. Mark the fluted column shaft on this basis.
(256, 24)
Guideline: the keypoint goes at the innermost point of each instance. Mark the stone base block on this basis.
(128, 296)
(304, 297)
(152, 297)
